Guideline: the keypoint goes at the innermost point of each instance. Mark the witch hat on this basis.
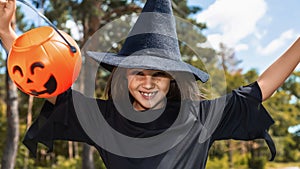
(151, 44)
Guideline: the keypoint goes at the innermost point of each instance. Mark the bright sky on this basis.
(259, 30)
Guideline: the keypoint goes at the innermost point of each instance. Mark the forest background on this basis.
(18, 110)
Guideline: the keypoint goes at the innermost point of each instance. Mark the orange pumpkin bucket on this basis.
(41, 62)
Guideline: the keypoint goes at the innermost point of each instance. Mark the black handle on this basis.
(72, 48)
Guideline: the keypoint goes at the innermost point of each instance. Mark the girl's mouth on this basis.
(148, 95)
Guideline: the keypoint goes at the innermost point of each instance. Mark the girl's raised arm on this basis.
(7, 34)
(275, 75)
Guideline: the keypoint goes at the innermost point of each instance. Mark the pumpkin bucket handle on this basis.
(72, 48)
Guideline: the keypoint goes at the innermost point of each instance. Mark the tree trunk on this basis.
(76, 149)
(12, 138)
(70, 149)
(230, 153)
(87, 157)
(29, 121)
(87, 154)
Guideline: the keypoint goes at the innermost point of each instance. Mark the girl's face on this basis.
(148, 87)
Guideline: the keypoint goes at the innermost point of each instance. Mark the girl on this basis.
(152, 117)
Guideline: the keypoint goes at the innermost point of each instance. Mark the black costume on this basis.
(243, 118)
(153, 44)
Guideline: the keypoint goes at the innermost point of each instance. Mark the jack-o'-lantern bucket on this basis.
(41, 62)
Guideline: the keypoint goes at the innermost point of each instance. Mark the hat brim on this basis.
(110, 60)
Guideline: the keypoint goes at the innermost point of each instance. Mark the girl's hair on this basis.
(183, 86)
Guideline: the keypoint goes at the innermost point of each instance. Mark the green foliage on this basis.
(250, 76)
(284, 106)
(257, 163)
(291, 149)
(293, 86)
(240, 160)
(217, 163)
(98, 162)
(217, 151)
(258, 154)
(22, 158)
(63, 163)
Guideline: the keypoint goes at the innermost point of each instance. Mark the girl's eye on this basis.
(139, 73)
(160, 74)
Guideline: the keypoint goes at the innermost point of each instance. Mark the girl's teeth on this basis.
(147, 94)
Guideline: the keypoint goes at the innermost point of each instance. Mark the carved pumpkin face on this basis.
(41, 63)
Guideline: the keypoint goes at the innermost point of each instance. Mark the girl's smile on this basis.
(148, 87)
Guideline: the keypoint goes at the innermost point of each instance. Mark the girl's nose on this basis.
(148, 82)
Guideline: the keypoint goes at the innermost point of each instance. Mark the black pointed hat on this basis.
(151, 44)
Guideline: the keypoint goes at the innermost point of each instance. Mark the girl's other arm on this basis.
(275, 75)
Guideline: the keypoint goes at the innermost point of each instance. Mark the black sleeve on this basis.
(243, 116)
(56, 122)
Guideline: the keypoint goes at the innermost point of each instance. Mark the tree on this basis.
(284, 107)
(12, 138)
(89, 16)
(12, 104)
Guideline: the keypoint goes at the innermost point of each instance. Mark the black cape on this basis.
(242, 118)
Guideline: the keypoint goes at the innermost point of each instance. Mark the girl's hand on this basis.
(7, 10)
(7, 33)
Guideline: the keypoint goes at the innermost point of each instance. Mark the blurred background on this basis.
(238, 39)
